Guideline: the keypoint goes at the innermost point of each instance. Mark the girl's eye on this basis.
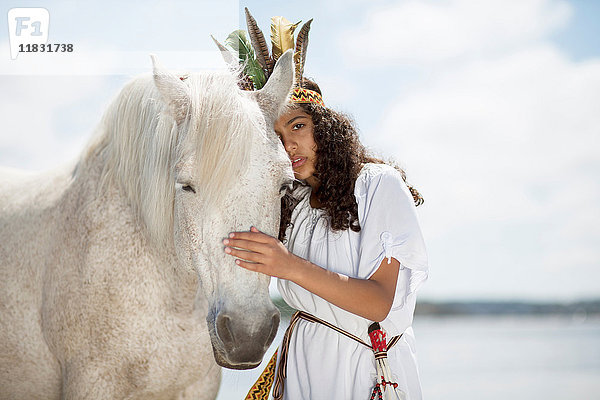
(297, 126)
(188, 188)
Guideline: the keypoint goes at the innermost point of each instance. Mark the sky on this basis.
(492, 108)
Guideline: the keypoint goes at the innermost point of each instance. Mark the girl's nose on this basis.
(290, 146)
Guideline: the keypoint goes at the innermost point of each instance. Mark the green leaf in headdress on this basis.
(239, 43)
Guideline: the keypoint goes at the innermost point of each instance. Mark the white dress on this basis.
(323, 364)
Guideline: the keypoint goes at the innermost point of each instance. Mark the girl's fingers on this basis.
(244, 255)
(248, 265)
(256, 267)
(251, 236)
(246, 244)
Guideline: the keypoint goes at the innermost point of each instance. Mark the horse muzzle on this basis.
(240, 340)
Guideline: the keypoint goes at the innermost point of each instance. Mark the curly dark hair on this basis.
(340, 157)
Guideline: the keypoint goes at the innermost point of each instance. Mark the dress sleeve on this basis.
(390, 229)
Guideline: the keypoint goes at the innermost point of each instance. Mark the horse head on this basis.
(229, 173)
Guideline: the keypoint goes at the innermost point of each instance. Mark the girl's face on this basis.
(296, 130)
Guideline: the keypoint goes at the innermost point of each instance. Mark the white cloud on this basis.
(47, 120)
(507, 147)
(426, 31)
(525, 122)
(500, 133)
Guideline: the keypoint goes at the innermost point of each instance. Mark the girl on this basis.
(354, 254)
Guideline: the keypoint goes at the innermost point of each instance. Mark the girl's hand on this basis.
(257, 251)
(370, 298)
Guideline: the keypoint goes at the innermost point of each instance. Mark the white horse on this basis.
(113, 279)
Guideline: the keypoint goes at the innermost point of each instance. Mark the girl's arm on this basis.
(369, 298)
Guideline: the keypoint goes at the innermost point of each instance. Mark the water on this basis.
(491, 358)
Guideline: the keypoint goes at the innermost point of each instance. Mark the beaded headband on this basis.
(301, 95)
(258, 64)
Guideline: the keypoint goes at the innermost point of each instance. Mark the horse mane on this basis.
(140, 144)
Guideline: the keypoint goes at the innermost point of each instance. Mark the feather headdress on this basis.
(256, 61)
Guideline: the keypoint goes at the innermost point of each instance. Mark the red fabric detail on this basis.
(378, 340)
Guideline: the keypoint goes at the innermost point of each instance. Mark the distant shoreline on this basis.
(591, 307)
(483, 307)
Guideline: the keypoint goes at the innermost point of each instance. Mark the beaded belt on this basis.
(260, 390)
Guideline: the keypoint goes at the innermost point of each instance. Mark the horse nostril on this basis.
(274, 326)
(224, 330)
(275, 319)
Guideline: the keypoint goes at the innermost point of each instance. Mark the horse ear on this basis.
(272, 97)
(172, 89)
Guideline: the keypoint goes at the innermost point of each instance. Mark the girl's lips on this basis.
(298, 161)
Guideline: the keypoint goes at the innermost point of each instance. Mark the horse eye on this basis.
(188, 188)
